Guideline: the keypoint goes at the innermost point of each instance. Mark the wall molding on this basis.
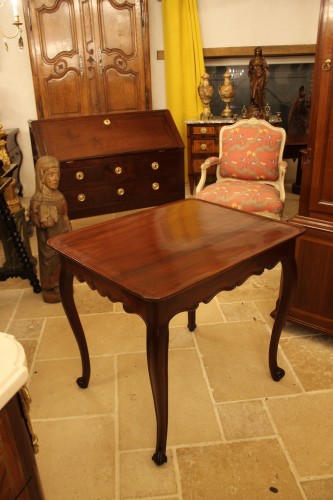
(267, 50)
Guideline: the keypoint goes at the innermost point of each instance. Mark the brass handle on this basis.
(81, 197)
(118, 170)
(203, 146)
(327, 65)
(79, 175)
(203, 130)
(120, 191)
(155, 186)
(107, 121)
(154, 165)
(100, 60)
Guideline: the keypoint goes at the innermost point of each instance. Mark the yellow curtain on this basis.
(183, 59)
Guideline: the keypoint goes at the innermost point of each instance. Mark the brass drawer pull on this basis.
(155, 165)
(81, 197)
(155, 186)
(203, 130)
(120, 191)
(118, 170)
(79, 175)
(107, 121)
(203, 146)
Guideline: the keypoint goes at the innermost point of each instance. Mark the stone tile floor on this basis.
(233, 432)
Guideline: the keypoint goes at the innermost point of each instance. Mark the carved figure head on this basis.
(47, 173)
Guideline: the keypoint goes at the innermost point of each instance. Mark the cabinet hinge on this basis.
(29, 16)
(147, 97)
(142, 10)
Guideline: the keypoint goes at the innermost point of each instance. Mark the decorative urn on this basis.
(205, 91)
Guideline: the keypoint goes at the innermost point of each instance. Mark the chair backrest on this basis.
(251, 149)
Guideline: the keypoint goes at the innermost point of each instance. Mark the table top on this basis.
(159, 252)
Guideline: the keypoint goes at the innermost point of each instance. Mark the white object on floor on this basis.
(13, 367)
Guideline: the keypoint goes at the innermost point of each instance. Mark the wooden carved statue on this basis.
(48, 212)
(298, 119)
(258, 73)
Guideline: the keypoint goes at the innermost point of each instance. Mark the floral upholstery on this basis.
(248, 196)
(250, 170)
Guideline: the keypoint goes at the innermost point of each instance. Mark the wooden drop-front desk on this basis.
(114, 162)
(165, 260)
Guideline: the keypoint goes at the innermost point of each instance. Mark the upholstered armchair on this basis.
(249, 170)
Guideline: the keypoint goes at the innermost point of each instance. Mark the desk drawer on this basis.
(203, 146)
(124, 193)
(203, 130)
(84, 173)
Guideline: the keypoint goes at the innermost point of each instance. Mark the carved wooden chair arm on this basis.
(209, 162)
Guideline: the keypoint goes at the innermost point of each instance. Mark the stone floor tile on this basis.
(244, 470)
(33, 306)
(305, 424)
(140, 477)
(235, 356)
(312, 360)
(318, 489)
(14, 283)
(26, 328)
(29, 346)
(241, 311)
(8, 303)
(106, 333)
(244, 419)
(55, 393)
(180, 338)
(76, 458)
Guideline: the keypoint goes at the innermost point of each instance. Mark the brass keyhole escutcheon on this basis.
(120, 191)
(203, 130)
(155, 186)
(155, 165)
(327, 65)
(107, 121)
(203, 146)
(81, 197)
(79, 175)
(118, 170)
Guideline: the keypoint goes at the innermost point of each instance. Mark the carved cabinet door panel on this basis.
(56, 57)
(89, 56)
(123, 60)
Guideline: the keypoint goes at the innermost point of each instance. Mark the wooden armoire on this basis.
(89, 56)
(313, 303)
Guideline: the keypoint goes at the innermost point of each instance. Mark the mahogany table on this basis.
(168, 259)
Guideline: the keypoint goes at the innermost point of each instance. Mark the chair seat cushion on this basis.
(248, 196)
